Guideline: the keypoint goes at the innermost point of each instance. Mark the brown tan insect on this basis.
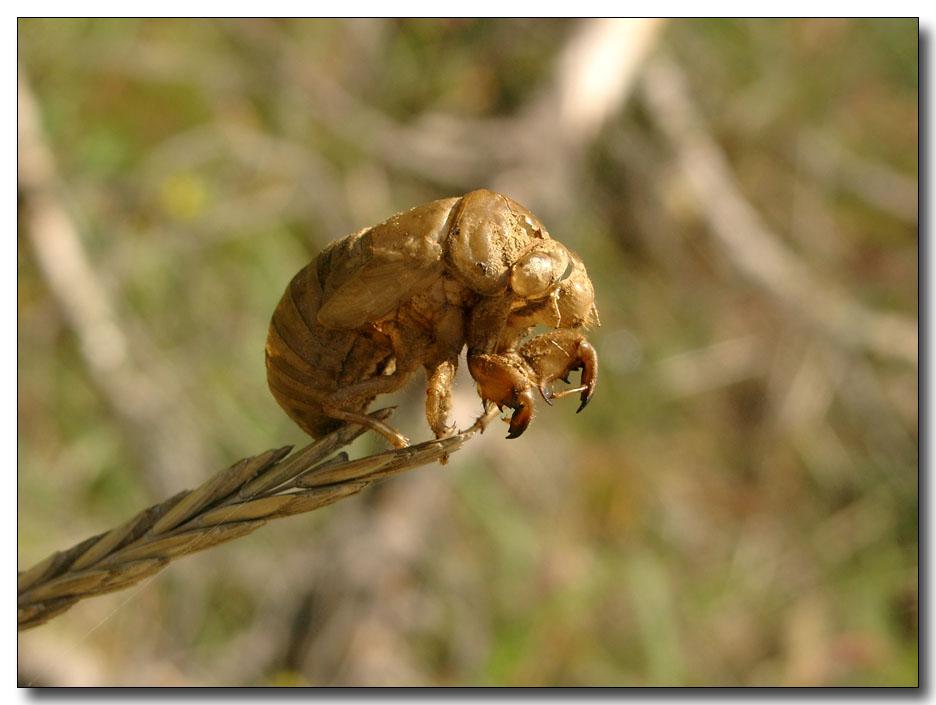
(411, 292)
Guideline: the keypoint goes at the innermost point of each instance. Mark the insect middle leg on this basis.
(440, 370)
(439, 397)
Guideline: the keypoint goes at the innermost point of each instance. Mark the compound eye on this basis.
(536, 273)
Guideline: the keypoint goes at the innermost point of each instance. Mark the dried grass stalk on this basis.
(233, 503)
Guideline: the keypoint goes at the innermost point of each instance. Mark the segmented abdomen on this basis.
(306, 362)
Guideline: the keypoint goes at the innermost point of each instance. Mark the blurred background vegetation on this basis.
(738, 505)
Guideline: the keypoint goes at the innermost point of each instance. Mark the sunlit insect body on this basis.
(412, 292)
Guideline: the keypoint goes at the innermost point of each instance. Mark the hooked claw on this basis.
(589, 361)
(508, 379)
(554, 355)
(522, 414)
(545, 393)
(503, 380)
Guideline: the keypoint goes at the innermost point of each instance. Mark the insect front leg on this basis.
(487, 322)
(504, 379)
(554, 355)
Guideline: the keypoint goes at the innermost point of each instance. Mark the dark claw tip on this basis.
(583, 404)
(515, 432)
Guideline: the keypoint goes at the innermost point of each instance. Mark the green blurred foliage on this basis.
(757, 526)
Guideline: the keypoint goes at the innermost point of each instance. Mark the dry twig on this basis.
(143, 393)
(233, 503)
(751, 246)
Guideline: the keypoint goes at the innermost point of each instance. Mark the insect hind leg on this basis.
(337, 402)
(395, 437)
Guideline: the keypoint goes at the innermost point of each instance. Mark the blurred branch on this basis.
(757, 252)
(717, 365)
(164, 434)
(58, 248)
(535, 152)
(233, 503)
(875, 183)
(596, 71)
(592, 79)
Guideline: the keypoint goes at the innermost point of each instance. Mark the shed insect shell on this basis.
(412, 292)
